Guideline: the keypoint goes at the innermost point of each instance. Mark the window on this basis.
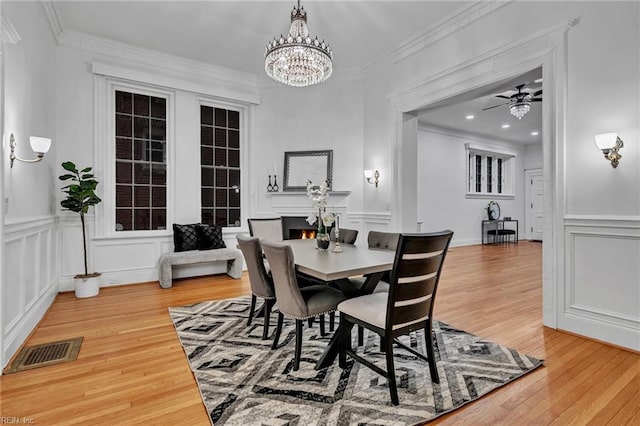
(140, 156)
(220, 166)
(490, 171)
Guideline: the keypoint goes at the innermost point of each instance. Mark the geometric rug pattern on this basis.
(243, 382)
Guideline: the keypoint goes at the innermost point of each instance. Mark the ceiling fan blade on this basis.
(502, 96)
(495, 106)
(538, 93)
(536, 100)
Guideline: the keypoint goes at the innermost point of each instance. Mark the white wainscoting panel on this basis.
(127, 260)
(601, 298)
(29, 284)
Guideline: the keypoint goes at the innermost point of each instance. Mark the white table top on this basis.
(330, 266)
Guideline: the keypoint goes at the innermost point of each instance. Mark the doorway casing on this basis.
(547, 49)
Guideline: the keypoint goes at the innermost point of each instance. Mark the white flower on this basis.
(311, 219)
(328, 218)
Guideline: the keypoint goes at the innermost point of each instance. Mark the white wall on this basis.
(601, 92)
(442, 181)
(533, 156)
(87, 69)
(29, 273)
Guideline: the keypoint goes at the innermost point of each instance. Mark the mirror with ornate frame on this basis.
(301, 166)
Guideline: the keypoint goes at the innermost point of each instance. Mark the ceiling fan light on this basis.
(520, 109)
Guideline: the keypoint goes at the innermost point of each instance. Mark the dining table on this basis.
(328, 266)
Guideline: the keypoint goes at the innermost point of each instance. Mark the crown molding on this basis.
(9, 32)
(53, 17)
(130, 53)
(446, 26)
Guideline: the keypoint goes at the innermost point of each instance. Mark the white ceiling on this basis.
(234, 34)
(452, 115)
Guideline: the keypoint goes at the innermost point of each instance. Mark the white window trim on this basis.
(105, 88)
(508, 171)
(244, 110)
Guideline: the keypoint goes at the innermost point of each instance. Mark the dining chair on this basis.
(407, 307)
(300, 303)
(266, 229)
(260, 281)
(346, 236)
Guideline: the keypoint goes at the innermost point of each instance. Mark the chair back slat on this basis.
(261, 283)
(414, 278)
(290, 301)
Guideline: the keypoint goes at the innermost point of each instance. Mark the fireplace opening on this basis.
(302, 234)
(297, 227)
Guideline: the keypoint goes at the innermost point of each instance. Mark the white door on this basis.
(534, 208)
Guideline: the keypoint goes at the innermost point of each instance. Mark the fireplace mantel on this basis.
(298, 203)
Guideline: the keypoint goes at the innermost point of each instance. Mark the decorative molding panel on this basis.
(30, 285)
(602, 292)
(9, 33)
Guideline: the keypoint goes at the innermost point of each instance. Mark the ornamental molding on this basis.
(9, 33)
(54, 19)
(446, 26)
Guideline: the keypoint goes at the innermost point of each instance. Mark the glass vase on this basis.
(323, 240)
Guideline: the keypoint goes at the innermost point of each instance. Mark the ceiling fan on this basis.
(520, 102)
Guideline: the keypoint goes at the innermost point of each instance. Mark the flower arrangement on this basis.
(318, 195)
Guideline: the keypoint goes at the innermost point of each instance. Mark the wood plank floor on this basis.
(131, 368)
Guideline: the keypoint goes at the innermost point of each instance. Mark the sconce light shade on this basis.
(39, 145)
(610, 144)
(368, 174)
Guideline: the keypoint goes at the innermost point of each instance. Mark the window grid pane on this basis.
(499, 175)
(489, 174)
(220, 166)
(141, 151)
(478, 173)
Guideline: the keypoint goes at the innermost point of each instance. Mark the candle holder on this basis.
(337, 248)
(275, 186)
(269, 186)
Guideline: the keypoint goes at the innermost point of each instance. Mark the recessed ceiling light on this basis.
(534, 133)
(505, 126)
(538, 80)
(470, 117)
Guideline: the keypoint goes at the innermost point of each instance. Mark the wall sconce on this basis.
(368, 174)
(39, 145)
(610, 144)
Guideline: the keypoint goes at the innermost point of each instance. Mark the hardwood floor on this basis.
(131, 368)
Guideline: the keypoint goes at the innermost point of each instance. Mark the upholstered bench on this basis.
(232, 256)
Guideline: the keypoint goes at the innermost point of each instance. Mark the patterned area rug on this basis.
(243, 382)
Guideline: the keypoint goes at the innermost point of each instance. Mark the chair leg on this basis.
(332, 321)
(323, 332)
(252, 309)
(344, 340)
(310, 322)
(360, 336)
(278, 331)
(268, 304)
(428, 340)
(296, 359)
(391, 372)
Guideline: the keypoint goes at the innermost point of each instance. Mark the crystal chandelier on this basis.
(521, 107)
(298, 60)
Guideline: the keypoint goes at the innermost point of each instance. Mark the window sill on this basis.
(489, 196)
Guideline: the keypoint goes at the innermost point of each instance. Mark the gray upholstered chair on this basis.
(346, 236)
(266, 229)
(260, 280)
(407, 307)
(293, 301)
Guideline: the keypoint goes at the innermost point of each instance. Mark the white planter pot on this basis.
(87, 285)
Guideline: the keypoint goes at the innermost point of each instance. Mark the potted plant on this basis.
(80, 196)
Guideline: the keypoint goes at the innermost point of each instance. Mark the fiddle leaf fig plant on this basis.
(80, 196)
